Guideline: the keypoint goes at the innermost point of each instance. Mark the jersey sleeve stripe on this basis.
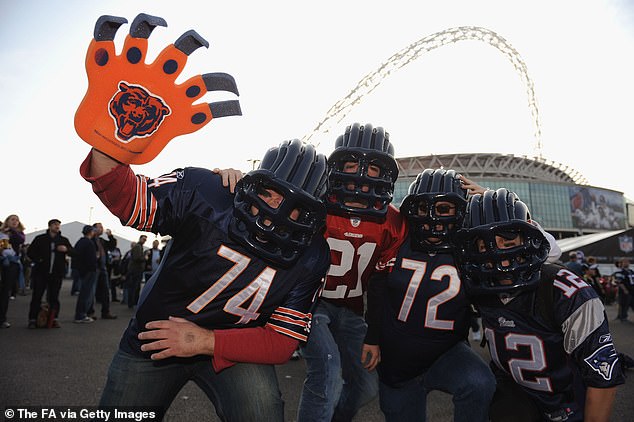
(287, 332)
(582, 323)
(292, 312)
(135, 210)
(142, 200)
(145, 206)
(152, 213)
(289, 320)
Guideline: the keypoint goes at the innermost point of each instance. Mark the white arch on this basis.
(410, 53)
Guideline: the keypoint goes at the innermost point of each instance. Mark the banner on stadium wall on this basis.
(597, 209)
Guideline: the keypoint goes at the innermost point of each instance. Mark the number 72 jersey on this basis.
(425, 313)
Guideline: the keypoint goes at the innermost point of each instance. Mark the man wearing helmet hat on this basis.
(420, 312)
(547, 331)
(234, 292)
(361, 227)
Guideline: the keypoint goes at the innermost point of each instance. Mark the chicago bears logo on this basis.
(136, 112)
(603, 360)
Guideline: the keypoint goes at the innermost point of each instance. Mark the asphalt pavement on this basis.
(67, 367)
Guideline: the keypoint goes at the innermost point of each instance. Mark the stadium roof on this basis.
(479, 165)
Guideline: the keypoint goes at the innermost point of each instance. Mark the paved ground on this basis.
(67, 367)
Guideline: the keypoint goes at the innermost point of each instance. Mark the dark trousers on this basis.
(133, 287)
(113, 288)
(625, 303)
(8, 279)
(102, 292)
(51, 283)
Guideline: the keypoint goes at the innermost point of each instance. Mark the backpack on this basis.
(45, 316)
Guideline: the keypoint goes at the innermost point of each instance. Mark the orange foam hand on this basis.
(131, 109)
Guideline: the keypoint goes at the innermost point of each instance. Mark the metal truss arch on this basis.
(412, 52)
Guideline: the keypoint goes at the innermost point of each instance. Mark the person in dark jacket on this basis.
(86, 264)
(102, 289)
(48, 253)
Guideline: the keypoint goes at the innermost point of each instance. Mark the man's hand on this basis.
(229, 177)
(370, 356)
(177, 337)
(131, 109)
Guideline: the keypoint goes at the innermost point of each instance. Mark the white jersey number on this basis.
(452, 290)
(257, 289)
(348, 254)
(537, 361)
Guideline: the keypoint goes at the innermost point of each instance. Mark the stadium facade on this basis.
(556, 195)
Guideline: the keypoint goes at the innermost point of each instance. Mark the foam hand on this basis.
(131, 109)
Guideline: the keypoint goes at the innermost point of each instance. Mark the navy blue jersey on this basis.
(553, 356)
(425, 313)
(207, 277)
(625, 277)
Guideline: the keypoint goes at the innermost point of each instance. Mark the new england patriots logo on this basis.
(136, 112)
(603, 360)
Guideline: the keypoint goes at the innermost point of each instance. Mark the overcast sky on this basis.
(292, 61)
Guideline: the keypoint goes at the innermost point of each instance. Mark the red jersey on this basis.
(357, 248)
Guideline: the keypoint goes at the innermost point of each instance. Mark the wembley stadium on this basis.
(557, 195)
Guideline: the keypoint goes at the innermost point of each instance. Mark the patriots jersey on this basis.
(357, 247)
(546, 356)
(625, 277)
(425, 313)
(207, 277)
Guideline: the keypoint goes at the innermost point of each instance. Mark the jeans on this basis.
(75, 287)
(87, 284)
(337, 385)
(244, 392)
(459, 372)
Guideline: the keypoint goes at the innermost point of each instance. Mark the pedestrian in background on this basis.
(134, 276)
(102, 290)
(48, 253)
(86, 264)
(13, 228)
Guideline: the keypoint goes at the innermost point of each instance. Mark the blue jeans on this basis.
(337, 385)
(74, 273)
(244, 392)
(459, 372)
(102, 291)
(87, 284)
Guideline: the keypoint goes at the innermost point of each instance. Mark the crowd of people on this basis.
(308, 253)
(94, 264)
